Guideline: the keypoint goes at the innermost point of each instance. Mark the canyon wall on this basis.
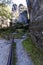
(35, 8)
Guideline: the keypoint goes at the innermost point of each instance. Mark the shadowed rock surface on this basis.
(36, 9)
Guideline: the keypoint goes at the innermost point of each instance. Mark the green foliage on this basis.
(35, 53)
(5, 10)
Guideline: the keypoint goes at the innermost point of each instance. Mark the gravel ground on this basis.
(5, 47)
(22, 58)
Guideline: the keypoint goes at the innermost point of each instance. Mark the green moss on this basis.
(35, 53)
(9, 31)
(6, 32)
(18, 35)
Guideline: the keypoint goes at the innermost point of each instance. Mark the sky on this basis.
(20, 2)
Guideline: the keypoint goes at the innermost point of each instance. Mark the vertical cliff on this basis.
(35, 8)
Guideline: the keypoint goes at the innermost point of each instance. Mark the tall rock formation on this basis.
(15, 13)
(22, 13)
(35, 8)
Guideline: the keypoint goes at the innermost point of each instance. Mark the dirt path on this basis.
(22, 58)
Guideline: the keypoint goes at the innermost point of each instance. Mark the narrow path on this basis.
(22, 58)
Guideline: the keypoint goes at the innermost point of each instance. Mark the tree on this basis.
(5, 10)
(6, 1)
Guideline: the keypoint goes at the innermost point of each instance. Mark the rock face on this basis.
(22, 13)
(23, 17)
(19, 13)
(14, 7)
(36, 10)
